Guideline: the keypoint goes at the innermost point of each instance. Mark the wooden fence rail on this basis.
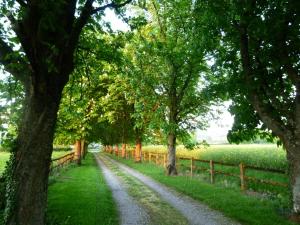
(242, 175)
(161, 159)
(62, 161)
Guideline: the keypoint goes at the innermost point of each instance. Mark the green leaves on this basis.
(271, 42)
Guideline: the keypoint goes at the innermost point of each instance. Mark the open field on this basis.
(4, 156)
(265, 156)
(260, 155)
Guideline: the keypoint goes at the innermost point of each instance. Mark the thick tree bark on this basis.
(171, 167)
(27, 205)
(293, 156)
(44, 73)
(116, 149)
(138, 150)
(78, 152)
(84, 146)
(288, 134)
(85, 149)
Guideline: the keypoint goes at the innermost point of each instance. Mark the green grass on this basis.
(57, 154)
(79, 196)
(261, 155)
(4, 157)
(233, 203)
(159, 211)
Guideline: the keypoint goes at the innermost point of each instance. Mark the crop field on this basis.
(260, 155)
(263, 156)
(4, 156)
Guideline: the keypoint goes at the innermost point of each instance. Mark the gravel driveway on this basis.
(130, 212)
(195, 212)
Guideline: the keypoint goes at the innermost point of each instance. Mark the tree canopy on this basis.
(73, 78)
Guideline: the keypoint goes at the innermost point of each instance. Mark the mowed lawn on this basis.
(80, 196)
(4, 156)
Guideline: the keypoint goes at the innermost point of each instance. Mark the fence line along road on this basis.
(161, 159)
(60, 162)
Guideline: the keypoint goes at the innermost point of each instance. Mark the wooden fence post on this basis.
(212, 171)
(192, 165)
(150, 157)
(156, 159)
(242, 176)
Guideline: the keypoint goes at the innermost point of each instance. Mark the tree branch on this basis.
(110, 5)
(186, 83)
(13, 63)
(86, 13)
(22, 3)
(273, 123)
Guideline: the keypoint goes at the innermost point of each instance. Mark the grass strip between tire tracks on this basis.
(233, 203)
(160, 212)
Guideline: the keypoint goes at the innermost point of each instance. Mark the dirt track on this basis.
(195, 212)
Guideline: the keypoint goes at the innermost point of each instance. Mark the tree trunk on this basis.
(83, 148)
(117, 150)
(293, 157)
(27, 188)
(123, 150)
(138, 150)
(171, 167)
(78, 152)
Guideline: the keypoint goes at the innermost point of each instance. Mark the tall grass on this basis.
(260, 155)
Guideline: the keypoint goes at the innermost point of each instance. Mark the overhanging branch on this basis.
(13, 63)
(110, 5)
(22, 3)
(86, 13)
(266, 115)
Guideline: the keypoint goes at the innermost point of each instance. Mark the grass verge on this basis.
(4, 157)
(233, 203)
(80, 196)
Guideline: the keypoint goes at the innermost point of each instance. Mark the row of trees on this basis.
(156, 81)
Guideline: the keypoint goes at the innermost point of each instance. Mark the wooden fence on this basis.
(242, 172)
(190, 165)
(62, 161)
